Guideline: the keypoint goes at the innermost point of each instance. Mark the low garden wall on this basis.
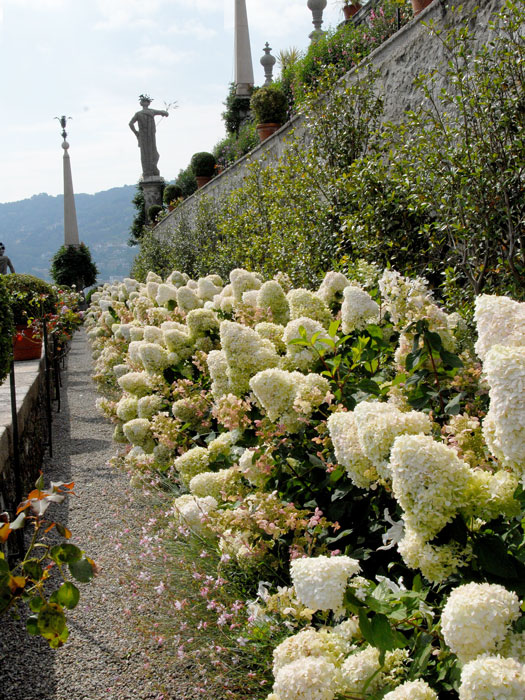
(32, 429)
(399, 60)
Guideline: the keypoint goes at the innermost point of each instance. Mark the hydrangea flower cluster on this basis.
(320, 582)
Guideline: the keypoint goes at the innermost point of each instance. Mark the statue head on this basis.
(145, 100)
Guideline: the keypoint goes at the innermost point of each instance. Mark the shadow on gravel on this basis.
(26, 662)
(81, 446)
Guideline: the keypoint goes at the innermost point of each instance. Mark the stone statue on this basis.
(145, 119)
(4, 261)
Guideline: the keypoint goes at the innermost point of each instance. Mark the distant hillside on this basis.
(33, 230)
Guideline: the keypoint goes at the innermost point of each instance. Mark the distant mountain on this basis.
(33, 230)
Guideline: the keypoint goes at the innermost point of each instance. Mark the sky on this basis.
(91, 59)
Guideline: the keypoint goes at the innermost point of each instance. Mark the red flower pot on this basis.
(202, 180)
(350, 10)
(418, 5)
(266, 130)
(25, 345)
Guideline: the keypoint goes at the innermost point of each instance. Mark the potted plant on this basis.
(270, 107)
(203, 165)
(31, 299)
(153, 213)
(172, 195)
(350, 7)
(6, 331)
(419, 5)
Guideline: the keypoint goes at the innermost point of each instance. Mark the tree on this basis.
(136, 230)
(72, 265)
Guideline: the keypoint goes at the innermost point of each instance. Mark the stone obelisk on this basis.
(70, 212)
(243, 56)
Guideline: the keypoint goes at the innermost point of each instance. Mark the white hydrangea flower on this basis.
(348, 451)
(378, 424)
(358, 668)
(436, 563)
(271, 295)
(201, 322)
(310, 678)
(242, 281)
(136, 332)
(148, 406)
(273, 332)
(120, 370)
(225, 481)
(177, 279)
(477, 617)
(218, 368)
(412, 690)
(191, 463)
(309, 643)
(492, 678)
(192, 511)
(153, 334)
(187, 299)
(298, 356)
(286, 396)
(179, 342)
(151, 290)
(429, 482)
(165, 294)
(332, 286)
(127, 408)
(249, 469)
(246, 353)
(222, 444)
(304, 303)
(499, 321)
(154, 357)
(206, 289)
(250, 298)
(514, 645)
(358, 309)
(320, 582)
(491, 495)
(153, 277)
(136, 383)
(138, 432)
(504, 428)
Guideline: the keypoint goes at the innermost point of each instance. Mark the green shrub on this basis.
(236, 109)
(171, 194)
(186, 181)
(269, 105)
(154, 211)
(203, 164)
(6, 331)
(137, 227)
(30, 297)
(73, 266)
(235, 146)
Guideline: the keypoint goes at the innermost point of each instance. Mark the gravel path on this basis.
(104, 657)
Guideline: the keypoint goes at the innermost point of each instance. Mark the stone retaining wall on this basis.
(32, 428)
(411, 51)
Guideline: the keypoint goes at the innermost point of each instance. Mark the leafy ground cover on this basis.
(337, 480)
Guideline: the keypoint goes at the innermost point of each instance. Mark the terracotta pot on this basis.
(418, 5)
(25, 345)
(350, 10)
(265, 130)
(202, 180)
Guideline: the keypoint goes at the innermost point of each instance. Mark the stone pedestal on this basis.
(152, 187)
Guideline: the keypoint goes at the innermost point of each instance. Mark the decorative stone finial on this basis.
(267, 62)
(317, 7)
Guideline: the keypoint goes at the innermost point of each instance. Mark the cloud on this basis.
(191, 28)
(117, 14)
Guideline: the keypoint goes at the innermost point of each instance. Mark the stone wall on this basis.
(411, 51)
(32, 428)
